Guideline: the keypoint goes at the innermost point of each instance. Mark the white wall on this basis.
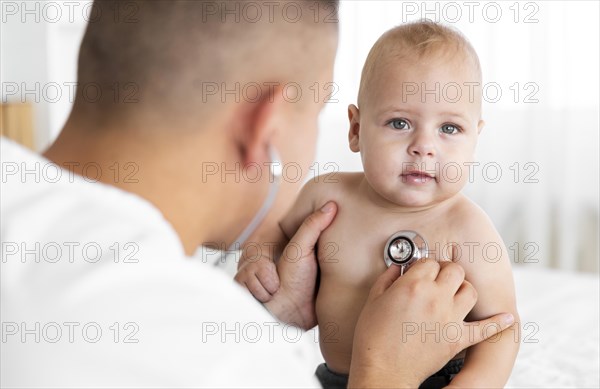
(23, 58)
(38, 57)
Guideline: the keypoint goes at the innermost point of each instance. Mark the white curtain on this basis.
(538, 154)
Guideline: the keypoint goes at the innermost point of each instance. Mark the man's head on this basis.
(418, 114)
(188, 84)
(180, 63)
(167, 57)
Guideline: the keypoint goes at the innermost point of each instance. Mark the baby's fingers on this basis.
(267, 275)
(257, 289)
(248, 278)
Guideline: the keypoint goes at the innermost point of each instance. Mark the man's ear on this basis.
(354, 132)
(258, 121)
(480, 126)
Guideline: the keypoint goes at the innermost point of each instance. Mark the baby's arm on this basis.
(312, 196)
(258, 272)
(489, 363)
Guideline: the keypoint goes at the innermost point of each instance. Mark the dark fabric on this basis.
(332, 380)
(329, 379)
(444, 375)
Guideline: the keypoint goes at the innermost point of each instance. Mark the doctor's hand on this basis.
(294, 301)
(394, 344)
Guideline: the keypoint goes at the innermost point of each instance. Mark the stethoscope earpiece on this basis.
(403, 248)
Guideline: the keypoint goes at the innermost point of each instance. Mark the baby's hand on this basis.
(260, 277)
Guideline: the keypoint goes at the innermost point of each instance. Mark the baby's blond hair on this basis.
(421, 40)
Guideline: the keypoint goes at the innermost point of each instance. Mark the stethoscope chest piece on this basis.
(403, 248)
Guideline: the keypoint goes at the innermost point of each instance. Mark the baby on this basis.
(416, 127)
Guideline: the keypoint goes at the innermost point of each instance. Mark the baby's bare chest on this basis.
(351, 250)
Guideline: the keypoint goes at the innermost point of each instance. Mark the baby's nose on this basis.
(422, 145)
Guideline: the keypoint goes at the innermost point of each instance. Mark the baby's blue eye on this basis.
(449, 129)
(399, 124)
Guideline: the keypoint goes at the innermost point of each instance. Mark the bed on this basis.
(560, 328)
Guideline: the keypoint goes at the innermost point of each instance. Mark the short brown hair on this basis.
(422, 39)
(163, 49)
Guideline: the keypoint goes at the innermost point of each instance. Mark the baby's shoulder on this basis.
(468, 220)
(475, 242)
(332, 186)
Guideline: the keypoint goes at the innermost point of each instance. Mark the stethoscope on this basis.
(275, 173)
(404, 248)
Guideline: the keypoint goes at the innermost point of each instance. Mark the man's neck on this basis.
(150, 166)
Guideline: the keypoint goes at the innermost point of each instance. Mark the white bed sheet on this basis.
(559, 329)
(559, 346)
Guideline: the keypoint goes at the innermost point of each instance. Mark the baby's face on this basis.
(417, 129)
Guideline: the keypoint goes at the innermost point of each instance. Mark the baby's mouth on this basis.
(417, 177)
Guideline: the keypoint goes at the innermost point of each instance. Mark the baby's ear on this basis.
(480, 126)
(353, 133)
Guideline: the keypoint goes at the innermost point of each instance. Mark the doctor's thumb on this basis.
(490, 328)
(312, 227)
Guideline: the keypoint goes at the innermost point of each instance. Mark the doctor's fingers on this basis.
(384, 281)
(310, 230)
(477, 331)
(450, 277)
(464, 299)
(423, 269)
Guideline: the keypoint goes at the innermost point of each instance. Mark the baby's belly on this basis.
(347, 274)
(337, 313)
(343, 290)
(338, 308)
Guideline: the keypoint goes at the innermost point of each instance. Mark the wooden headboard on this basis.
(16, 123)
